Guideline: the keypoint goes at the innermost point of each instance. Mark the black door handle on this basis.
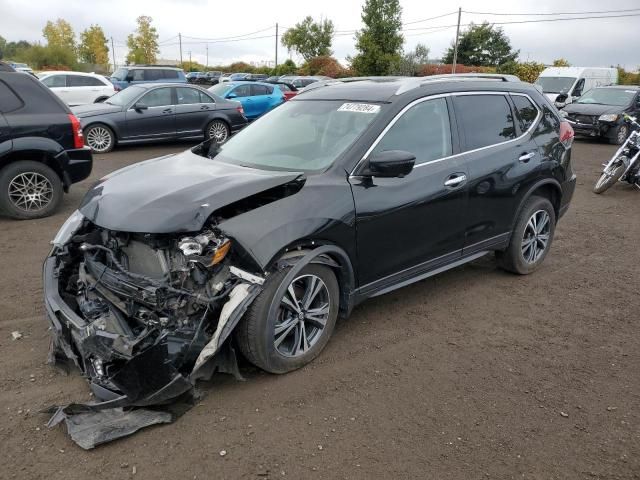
(167, 110)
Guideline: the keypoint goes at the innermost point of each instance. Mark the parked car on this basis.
(210, 78)
(132, 75)
(256, 77)
(301, 82)
(288, 90)
(562, 85)
(257, 98)
(192, 77)
(22, 67)
(271, 241)
(157, 112)
(600, 112)
(42, 149)
(225, 77)
(78, 88)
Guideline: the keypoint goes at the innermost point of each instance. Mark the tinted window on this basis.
(261, 90)
(152, 75)
(81, 81)
(204, 98)
(55, 81)
(548, 123)
(137, 75)
(187, 96)
(170, 74)
(8, 100)
(526, 111)
(157, 98)
(486, 119)
(423, 130)
(242, 91)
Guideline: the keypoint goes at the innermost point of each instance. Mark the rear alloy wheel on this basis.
(287, 326)
(29, 190)
(531, 237)
(100, 138)
(218, 130)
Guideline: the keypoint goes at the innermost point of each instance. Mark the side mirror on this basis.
(391, 163)
(232, 95)
(140, 106)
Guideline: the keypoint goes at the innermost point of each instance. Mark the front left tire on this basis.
(303, 316)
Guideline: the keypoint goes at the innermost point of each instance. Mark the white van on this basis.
(563, 85)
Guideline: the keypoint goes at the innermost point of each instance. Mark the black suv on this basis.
(42, 150)
(350, 190)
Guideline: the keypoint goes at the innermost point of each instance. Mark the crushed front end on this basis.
(144, 316)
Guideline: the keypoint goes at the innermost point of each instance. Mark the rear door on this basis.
(500, 157)
(261, 98)
(157, 120)
(84, 89)
(58, 85)
(243, 95)
(193, 108)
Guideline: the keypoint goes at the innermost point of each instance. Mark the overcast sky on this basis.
(595, 42)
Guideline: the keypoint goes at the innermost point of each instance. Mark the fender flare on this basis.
(540, 183)
(322, 255)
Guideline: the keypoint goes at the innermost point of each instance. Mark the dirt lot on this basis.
(473, 374)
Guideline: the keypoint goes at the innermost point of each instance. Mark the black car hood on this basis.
(591, 109)
(176, 193)
(92, 109)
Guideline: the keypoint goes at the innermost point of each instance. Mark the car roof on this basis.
(247, 82)
(621, 87)
(163, 67)
(386, 89)
(69, 72)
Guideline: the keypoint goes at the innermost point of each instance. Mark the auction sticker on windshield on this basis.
(359, 107)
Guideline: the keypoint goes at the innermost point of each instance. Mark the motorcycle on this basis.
(625, 163)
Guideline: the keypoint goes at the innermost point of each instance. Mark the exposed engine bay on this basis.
(144, 315)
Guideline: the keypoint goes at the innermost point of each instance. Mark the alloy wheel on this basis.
(302, 316)
(536, 236)
(30, 191)
(218, 131)
(99, 139)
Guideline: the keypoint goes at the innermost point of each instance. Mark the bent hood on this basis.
(591, 109)
(176, 193)
(91, 109)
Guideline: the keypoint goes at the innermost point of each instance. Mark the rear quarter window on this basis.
(9, 101)
(486, 120)
(170, 74)
(526, 111)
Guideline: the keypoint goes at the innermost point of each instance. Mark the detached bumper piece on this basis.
(140, 378)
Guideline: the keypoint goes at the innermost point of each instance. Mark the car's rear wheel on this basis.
(100, 138)
(287, 326)
(29, 190)
(531, 238)
(218, 130)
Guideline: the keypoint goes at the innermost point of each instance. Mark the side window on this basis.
(152, 75)
(525, 110)
(9, 101)
(187, 96)
(242, 91)
(259, 90)
(579, 88)
(204, 98)
(137, 75)
(486, 119)
(159, 97)
(549, 122)
(423, 130)
(169, 74)
(55, 81)
(82, 81)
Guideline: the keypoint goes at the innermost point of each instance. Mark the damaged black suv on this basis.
(352, 189)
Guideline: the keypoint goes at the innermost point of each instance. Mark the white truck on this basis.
(563, 85)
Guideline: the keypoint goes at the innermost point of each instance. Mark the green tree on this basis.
(411, 62)
(379, 43)
(93, 46)
(15, 50)
(3, 46)
(482, 45)
(60, 34)
(561, 62)
(143, 44)
(309, 39)
(286, 68)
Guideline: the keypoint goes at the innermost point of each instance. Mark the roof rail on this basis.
(416, 82)
(150, 65)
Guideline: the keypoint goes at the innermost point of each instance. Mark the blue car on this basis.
(256, 98)
(133, 74)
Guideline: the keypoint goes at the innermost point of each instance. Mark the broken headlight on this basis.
(205, 248)
(69, 227)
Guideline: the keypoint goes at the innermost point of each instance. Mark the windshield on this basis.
(555, 84)
(608, 96)
(120, 74)
(299, 136)
(220, 89)
(125, 97)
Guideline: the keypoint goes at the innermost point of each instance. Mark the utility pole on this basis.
(455, 48)
(113, 52)
(276, 44)
(180, 40)
(207, 66)
(189, 60)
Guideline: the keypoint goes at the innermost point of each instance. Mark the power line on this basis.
(430, 18)
(229, 38)
(550, 14)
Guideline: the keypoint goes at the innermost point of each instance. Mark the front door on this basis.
(155, 121)
(411, 224)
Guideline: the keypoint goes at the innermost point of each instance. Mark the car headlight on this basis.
(68, 228)
(563, 114)
(608, 117)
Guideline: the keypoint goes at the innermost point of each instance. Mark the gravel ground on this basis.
(474, 373)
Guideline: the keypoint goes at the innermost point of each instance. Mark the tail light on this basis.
(566, 134)
(240, 110)
(78, 138)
